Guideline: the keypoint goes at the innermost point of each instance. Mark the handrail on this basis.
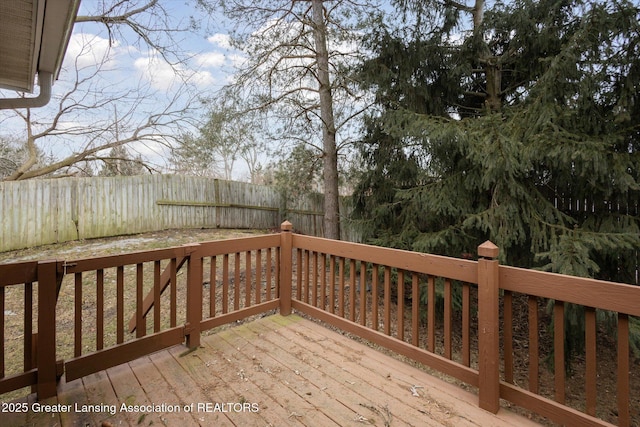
(351, 286)
(619, 297)
(212, 248)
(359, 267)
(454, 268)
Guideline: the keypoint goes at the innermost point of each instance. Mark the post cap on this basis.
(488, 250)
(286, 226)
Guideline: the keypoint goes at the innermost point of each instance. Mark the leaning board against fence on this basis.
(39, 212)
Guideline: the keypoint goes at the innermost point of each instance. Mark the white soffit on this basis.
(33, 37)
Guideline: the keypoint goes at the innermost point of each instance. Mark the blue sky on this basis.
(133, 75)
(135, 81)
(207, 49)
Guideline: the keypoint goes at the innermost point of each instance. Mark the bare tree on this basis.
(78, 122)
(82, 127)
(297, 56)
(226, 137)
(150, 22)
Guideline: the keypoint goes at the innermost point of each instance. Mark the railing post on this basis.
(488, 327)
(194, 295)
(286, 267)
(49, 277)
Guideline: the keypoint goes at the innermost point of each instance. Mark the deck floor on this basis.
(275, 371)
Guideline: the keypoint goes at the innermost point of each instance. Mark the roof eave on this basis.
(35, 36)
(55, 38)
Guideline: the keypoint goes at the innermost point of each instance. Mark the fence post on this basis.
(286, 256)
(49, 278)
(488, 327)
(194, 295)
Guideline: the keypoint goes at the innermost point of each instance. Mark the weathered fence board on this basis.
(39, 212)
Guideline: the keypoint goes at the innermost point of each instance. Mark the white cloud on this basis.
(155, 71)
(89, 50)
(222, 55)
(202, 78)
(211, 59)
(210, 67)
(221, 40)
(163, 76)
(237, 60)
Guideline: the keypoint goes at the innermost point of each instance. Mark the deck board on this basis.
(15, 418)
(297, 372)
(73, 392)
(439, 399)
(159, 392)
(250, 366)
(126, 386)
(99, 392)
(211, 386)
(306, 400)
(364, 396)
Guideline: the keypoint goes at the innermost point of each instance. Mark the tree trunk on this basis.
(31, 150)
(330, 151)
(493, 72)
(491, 64)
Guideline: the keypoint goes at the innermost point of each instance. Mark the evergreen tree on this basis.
(299, 174)
(519, 124)
(14, 153)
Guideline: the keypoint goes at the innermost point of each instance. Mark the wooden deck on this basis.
(274, 371)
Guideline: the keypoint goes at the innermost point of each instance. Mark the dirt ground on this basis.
(123, 244)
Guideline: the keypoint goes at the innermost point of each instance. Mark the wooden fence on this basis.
(39, 212)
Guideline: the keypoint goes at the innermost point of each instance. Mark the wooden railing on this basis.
(99, 339)
(95, 313)
(243, 276)
(456, 316)
(38, 350)
(453, 314)
(613, 299)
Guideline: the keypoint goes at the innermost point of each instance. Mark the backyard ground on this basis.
(123, 244)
